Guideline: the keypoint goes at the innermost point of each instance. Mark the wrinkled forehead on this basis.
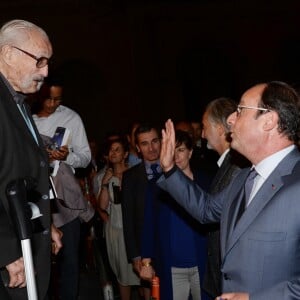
(38, 42)
(252, 97)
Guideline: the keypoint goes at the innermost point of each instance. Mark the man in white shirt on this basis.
(75, 154)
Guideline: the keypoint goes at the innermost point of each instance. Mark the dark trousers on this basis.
(68, 261)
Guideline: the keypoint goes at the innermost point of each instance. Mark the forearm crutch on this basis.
(21, 212)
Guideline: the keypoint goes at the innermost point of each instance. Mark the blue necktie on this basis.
(249, 185)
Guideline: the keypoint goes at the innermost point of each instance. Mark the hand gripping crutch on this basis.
(22, 211)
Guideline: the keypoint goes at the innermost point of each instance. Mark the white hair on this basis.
(16, 32)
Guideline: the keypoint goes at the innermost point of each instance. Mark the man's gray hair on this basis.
(15, 32)
(220, 109)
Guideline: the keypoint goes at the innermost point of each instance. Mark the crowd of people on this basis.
(209, 207)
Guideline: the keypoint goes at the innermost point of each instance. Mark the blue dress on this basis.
(171, 237)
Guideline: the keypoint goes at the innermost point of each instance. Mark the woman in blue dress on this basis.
(173, 243)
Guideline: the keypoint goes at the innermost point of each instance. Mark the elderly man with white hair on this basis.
(25, 50)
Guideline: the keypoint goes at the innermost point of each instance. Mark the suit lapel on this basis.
(13, 110)
(222, 171)
(23, 128)
(231, 209)
(265, 194)
(143, 172)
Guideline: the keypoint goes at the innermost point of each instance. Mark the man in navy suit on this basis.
(24, 54)
(134, 184)
(259, 247)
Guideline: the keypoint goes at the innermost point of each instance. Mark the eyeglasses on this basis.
(241, 107)
(41, 62)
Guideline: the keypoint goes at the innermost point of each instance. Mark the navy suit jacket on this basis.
(133, 192)
(260, 255)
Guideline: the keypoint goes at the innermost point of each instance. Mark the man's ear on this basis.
(270, 120)
(138, 149)
(220, 129)
(7, 54)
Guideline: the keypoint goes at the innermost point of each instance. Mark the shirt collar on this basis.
(148, 163)
(267, 166)
(58, 109)
(222, 157)
(148, 167)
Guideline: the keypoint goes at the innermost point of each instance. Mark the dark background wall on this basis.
(150, 60)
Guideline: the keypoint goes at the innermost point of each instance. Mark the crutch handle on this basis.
(21, 213)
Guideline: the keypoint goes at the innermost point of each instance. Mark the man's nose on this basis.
(151, 146)
(51, 102)
(231, 119)
(44, 71)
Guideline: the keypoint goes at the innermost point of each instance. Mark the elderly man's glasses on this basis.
(241, 107)
(41, 62)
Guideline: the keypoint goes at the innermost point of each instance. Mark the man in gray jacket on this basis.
(259, 215)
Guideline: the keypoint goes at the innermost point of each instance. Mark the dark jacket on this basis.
(21, 157)
(233, 161)
(134, 184)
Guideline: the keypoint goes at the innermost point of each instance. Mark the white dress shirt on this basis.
(79, 150)
(266, 167)
(222, 157)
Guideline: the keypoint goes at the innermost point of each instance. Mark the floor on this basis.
(92, 276)
(94, 271)
(89, 288)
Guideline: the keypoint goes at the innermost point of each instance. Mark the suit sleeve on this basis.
(10, 244)
(203, 207)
